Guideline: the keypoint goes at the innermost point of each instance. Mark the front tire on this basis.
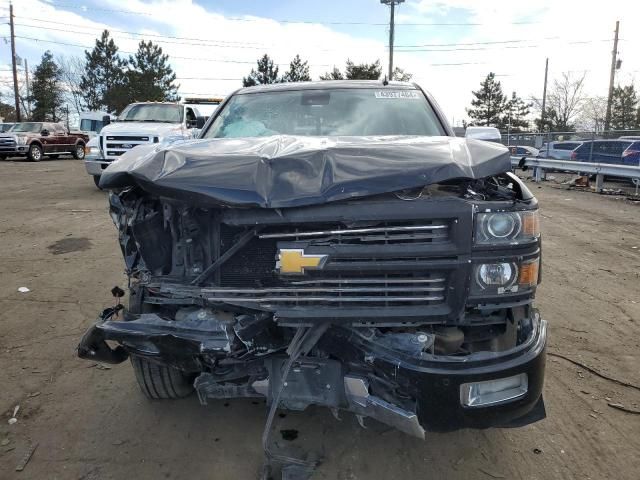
(78, 152)
(96, 180)
(160, 382)
(35, 153)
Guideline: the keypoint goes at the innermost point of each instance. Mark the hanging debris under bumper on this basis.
(395, 378)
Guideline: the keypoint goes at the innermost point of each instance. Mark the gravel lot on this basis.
(93, 423)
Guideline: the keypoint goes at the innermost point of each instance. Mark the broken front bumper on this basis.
(434, 386)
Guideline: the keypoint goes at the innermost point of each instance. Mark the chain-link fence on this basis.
(537, 140)
(612, 146)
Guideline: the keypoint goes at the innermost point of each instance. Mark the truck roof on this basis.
(327, 84)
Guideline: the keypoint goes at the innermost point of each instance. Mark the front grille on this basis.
(384, 233)
(382, 290)
(392, 277)
(7, 144)
(116, 145)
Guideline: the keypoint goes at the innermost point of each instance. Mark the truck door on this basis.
(60, 138)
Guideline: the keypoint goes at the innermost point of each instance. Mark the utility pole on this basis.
(544, 93)
(612, 76)
(26, 77)
(13, 64)
(392, 4)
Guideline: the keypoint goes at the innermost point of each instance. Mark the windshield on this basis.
(349, 112)
(151, 112)
(27, 127)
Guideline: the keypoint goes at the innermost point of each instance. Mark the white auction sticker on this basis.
(407, 94)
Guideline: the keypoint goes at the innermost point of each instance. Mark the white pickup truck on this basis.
(141, 124)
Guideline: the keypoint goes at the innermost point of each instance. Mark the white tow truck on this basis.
(144, 123)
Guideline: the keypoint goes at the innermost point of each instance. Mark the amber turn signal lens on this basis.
(529, 273)
(531, 224)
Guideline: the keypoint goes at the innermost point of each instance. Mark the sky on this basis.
(449, 46)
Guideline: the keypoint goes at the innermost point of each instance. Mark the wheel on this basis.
(53, 156)
(96, 180)
(78, 152)
(3, 157)
(159, 382)
(35, 153)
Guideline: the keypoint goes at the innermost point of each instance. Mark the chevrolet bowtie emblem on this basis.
(295, 261)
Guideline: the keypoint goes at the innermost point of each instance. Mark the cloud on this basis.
(211, 52)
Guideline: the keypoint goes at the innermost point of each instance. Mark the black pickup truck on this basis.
(334, 244)
(35, 140)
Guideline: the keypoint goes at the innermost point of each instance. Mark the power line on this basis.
(131, 33)
(400, 48)
(305, 22)
(244, 44)
(200, 59)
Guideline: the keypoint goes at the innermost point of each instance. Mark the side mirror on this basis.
(44, 132)
(200, 121)
(106, 120)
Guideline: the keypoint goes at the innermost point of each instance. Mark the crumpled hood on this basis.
(140, 128)
(288, 171)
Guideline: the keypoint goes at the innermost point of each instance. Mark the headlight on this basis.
(21, 140)
(505, 277)
(497, 228)
(496, 274)
(92, 153)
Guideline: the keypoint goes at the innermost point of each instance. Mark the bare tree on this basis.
(564, 102)
(7, 84)
(72, 69)
(592, 114)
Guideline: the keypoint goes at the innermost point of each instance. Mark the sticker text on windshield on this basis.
(407, 94)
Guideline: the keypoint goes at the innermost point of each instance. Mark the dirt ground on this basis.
(90, 422)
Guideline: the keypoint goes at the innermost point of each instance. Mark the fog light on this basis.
(493, 392)
(496, 274)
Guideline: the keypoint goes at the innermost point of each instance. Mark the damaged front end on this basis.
(412, 307)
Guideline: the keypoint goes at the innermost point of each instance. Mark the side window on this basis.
(190, 117)
(601, 147)
(585, 148)
(59, 129)
(620, 147)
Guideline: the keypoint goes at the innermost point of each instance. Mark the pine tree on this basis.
(267, 73)
(46, 90)
(516, 113)
(151, 78)
(298, 71)
(363, 71)
(103, 82)
(334, 74)
(624, 108)
(489, 103)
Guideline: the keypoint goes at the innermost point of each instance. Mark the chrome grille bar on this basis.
(369, 281)
(381, 299)
(355, 231)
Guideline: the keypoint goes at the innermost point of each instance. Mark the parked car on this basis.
(5, 127)
(558, 150)
(330, 243)
(523, 150)
(622, 152)
(144, 123)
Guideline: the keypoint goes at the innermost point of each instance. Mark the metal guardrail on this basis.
(599, 169)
